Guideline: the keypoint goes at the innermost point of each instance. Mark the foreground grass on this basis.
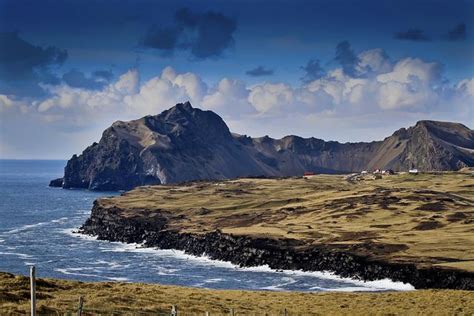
(61, 296)
(427, 219)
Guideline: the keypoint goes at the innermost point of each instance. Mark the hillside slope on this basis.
(186, 143)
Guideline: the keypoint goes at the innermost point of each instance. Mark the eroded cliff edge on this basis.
(288, 254)
(252, 227)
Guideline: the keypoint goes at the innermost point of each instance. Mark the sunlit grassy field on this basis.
(426, 219)
(62, 297)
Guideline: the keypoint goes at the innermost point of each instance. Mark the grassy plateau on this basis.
(425, 219)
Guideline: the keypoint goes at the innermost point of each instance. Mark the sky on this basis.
(331, 69)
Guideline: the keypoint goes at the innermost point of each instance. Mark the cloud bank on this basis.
(367, 96)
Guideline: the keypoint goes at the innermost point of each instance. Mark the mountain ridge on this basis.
(185, 143)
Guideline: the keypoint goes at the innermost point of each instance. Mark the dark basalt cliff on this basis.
(107, 224)
(185, 143)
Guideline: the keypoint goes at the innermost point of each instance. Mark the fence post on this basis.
(81, 304)
(231, 312)
(285, 313)
(33, 290)
(174, 310)
(206, 314)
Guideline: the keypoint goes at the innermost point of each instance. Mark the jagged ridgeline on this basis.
(185, 143)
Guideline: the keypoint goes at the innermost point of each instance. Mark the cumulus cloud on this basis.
(259, 72)
(82, 107)
(466, 87)
(158, 93)
(407, 88)
(204, 35)
(23, 66)
(409, 84)
(229, 98)
(271, 97)
(412, 34)
(373, 61)
(10, 103)
(458, 33)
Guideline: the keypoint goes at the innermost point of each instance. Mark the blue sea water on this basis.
(37, 225)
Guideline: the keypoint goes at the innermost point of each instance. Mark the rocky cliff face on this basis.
(110, 224)
(186, 143)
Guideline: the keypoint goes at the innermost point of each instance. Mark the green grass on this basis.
(427, 219)
(61, 297)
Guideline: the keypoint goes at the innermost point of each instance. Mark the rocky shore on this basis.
(278, 253)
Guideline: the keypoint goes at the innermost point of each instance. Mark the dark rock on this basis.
(281, 254)
(57, 183)
(186, 144)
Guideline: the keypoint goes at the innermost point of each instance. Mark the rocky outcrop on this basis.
(56, 183)
(152, 230)
(185, 143)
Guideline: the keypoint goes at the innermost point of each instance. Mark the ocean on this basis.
(38, 224)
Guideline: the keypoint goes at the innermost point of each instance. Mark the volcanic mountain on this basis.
(185, 143)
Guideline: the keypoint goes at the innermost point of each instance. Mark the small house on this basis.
(308, 174)
(413, 171)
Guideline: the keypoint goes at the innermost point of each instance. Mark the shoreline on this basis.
(282, 254)
(359, 285)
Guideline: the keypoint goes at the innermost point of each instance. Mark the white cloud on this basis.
(271, 97)
(229, 98)
(466, 87)
(374, 61)
(407, 69)
(158, 93)
(410, 88)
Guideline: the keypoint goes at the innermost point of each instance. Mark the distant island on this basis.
(186, 144)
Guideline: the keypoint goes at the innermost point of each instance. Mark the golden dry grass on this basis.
(61, 297)
(427, 219)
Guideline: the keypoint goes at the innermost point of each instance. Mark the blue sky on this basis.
(262, 46)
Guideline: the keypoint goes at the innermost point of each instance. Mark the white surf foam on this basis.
(215, 280)
(118, 279)
(111, 264)
(19, 255)
(166, 271)
(60, 220)
(73, 271)
(73, 233)
(29, 227)
(24, 228)
(360, 285)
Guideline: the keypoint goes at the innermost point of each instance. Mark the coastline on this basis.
(281, 254)
(353, 285)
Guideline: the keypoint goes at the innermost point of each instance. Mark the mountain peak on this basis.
(186, 106)
(185, 143)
